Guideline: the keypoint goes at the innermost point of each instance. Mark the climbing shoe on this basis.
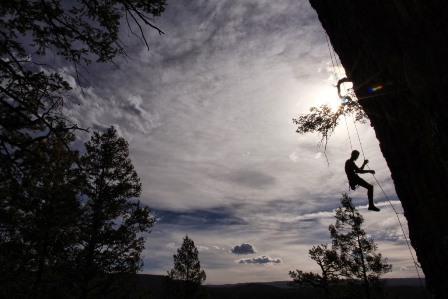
(373, 208)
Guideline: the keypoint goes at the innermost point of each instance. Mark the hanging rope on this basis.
(331, 56)
(348, 132)
(359, 139)
(336, 76)
(408, 244)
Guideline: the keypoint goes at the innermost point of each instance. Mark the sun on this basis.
(327, 95)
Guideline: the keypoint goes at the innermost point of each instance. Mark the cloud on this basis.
(261, 260)
(93, 108)
(202, 248)
(199, 219)
(244, 248)
(251, 178)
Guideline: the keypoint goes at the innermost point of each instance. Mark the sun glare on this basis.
(327, 95)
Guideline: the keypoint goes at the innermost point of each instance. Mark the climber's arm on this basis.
(361, 169)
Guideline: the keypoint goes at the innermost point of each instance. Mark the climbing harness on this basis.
(345, 99)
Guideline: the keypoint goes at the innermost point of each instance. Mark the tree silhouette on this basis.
(187, 270)
(78, 30)
(352, 254)
(187, 266)
(357, 252)
(40, 226)
(329, 265)
(31, 94)
(112, 220)
(38, 180)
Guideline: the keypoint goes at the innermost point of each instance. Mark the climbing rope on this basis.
(348, 132)
(332, 54)
(335, 68)
(408, 244)
(336, 76)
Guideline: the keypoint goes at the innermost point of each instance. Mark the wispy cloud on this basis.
(261, 260)
(200, 218)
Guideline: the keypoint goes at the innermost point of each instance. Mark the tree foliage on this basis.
(44, 198)
(74, 223)
(186, 277)
(187, 266)
(31, 95)
(352, 255)
(40, 218)
(357, 251)
(328, 261)
(323, 120)
(77, 30)
(113, 221)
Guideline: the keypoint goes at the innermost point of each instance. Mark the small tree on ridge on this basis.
(187, 269)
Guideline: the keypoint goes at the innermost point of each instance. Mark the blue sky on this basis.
(208, 115)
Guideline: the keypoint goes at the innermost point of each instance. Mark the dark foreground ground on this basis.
(154, 287)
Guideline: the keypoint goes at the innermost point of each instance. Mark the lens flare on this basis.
(375, 88)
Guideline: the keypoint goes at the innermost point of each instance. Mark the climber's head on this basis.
(355, 155)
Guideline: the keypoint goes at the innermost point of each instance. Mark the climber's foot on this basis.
(373, 208)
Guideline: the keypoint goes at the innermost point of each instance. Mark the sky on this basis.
(208, 111)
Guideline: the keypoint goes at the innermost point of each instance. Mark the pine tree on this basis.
(187, 266)
(352, 254)
(53, 222)
(38, 208)
(357, 252)
(39, 227)
(187, 269)
(31, 95)
(113, 219)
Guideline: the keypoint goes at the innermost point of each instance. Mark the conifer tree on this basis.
(357, 252)
(113, 219)
(187, 266)
(353, 255)
(31, 93)
(187, 270)
(52, 224)
(39, 219)
(39, 209)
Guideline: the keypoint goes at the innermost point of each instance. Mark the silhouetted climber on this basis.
(355, 180)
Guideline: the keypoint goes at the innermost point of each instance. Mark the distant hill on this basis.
(413, 282)
(153, 286)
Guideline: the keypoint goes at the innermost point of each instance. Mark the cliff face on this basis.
(403, 45)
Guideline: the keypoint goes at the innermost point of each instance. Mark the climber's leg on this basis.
(369, 188)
